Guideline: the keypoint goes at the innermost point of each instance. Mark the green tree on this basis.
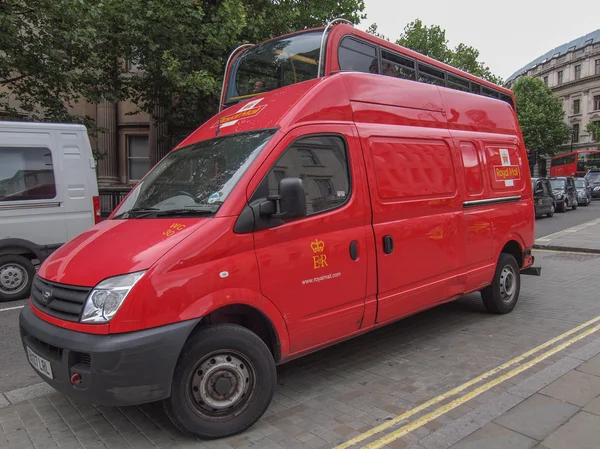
(56, 53)
(431, 41)
(541, 117)
(594, 129)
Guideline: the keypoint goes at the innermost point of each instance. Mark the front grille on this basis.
(59, 300)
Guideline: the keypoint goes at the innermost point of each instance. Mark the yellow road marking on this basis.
(472, 394)
(386, 425)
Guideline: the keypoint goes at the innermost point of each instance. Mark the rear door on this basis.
(314, 269)
(77, 163)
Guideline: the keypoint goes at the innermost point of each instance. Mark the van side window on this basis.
(398, 66)
(431, 75)
(357, 56)
(26, 174)
(473, 177)
(321, 162)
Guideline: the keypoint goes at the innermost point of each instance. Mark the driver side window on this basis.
(321, 162)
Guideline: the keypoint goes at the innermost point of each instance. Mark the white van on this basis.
(48, 195)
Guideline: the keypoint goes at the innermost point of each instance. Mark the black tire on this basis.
(551, 213)
(496, 297)
(16, 277)
(221, 347)
(563, 206)
(575, 204)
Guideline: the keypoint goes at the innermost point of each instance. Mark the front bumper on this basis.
(118, 369)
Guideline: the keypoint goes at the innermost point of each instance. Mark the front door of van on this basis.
(314, 269)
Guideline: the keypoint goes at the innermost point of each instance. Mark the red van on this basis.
(291, 221)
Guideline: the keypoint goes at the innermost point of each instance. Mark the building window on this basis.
(596, 134)
(325, 187)
(559, 77)
(575, 137)
(596, 102)
(578, 71)
(546, 80)
(308, 158)
(597, 67)
(576, 105)
(137, 156)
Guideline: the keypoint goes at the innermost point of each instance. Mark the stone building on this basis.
(572, 71)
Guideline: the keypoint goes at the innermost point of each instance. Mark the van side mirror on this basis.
(291, 201)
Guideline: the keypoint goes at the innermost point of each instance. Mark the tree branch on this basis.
(13, 80)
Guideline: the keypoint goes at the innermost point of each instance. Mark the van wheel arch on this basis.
(248, 317)
(20, 248)
(515, 249)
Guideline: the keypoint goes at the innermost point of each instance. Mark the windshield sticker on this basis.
(250, 109)
(175, 227)
(341, 193)
(213, 198)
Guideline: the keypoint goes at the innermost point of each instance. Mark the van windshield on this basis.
(196, 179)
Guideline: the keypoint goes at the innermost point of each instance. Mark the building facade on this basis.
(572, 71)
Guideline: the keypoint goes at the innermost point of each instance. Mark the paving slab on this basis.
(493, 436)
(574, 387)
(537, 416)
(581, 432)
(593, 407)
(592, 366)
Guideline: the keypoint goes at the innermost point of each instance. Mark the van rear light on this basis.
(97, 216)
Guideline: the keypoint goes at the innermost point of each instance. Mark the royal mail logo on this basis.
(320, 258)
(249, 110)
(507, 172)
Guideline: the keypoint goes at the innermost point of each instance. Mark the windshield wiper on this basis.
(143, 211)
(186, 211)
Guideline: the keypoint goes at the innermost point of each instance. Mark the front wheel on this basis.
(223, 383)
(564, 206)
(551, 213)
(575, 204)
(16, 277)
(502, 295)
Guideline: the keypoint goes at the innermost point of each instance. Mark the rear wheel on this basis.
(223, 383)
(16, 277)
(502, 295)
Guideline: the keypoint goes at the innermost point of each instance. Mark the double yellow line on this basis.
(407, 428)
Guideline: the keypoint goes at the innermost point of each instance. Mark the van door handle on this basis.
(388, 244)
(354, 250)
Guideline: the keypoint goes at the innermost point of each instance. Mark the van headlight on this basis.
(105, 299)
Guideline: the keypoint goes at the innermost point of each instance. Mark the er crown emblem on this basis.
(320, 259)
(318, 246)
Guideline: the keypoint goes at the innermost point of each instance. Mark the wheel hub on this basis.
(507, 284)
(221, 384)
(13, 278)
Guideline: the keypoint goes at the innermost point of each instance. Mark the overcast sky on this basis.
(508, 34)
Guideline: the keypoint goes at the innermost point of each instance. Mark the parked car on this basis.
(593, 178)
(543, 197)
(584, 193)
(565, 193)
(48, 195)
(255, 243)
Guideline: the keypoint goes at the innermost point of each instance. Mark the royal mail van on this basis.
(48, 195)
(291, 221)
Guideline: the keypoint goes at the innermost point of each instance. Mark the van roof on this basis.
(40, 125)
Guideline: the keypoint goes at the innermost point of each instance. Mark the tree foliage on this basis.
(541, 116)
(431, 41)
(594, 129)
(55, 53)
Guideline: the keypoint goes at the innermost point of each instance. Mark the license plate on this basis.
(39, 363)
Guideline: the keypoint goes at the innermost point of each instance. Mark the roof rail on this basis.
(233, 53)
(321, 50)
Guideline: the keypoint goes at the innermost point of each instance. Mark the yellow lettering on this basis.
(320, 261)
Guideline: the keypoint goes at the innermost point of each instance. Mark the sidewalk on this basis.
(563, 415)
(581, 238)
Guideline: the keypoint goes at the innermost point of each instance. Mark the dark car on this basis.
(565, 193)
(593, 178)
(584, 193)
(543, 197)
